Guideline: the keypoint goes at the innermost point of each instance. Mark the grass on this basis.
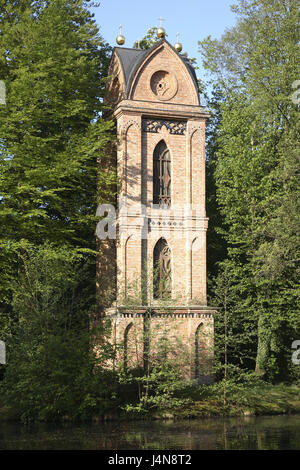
(265, 399)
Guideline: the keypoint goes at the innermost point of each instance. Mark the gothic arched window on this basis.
(162, 273)
(162, 175)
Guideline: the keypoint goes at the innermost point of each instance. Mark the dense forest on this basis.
(54, 64)
(253, 187)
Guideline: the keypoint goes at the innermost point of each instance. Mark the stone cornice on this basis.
(192, 311)
(158, 110)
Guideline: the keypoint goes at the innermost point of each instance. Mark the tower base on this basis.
(182, 335)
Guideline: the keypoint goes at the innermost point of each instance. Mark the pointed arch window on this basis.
(162, 175)
(162, 275)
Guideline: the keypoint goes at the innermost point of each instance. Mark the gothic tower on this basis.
(161, 218)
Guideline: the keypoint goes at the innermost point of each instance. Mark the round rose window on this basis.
(163, 85)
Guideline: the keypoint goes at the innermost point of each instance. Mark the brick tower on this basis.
(161, 218)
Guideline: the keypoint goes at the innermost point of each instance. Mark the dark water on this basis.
(248, 433)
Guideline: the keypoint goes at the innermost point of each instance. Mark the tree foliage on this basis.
(53, 370)
(54, 65)
(148, 40)
(255, 170)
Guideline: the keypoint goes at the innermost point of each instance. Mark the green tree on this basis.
(216, 244)
(235, 345)
(54, 64)
(255, 170)
(148, 40)
(53, 370)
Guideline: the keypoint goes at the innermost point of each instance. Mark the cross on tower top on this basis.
(160, 21)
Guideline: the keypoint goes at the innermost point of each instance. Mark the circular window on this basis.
(163, 85)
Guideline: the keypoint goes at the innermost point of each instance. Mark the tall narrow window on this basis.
(162, 175)
(126, 353)
(162, 273)
(198, 350)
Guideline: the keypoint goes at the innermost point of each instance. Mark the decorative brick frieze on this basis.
(154, 125)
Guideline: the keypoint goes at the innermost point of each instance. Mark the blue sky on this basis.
(193, 19)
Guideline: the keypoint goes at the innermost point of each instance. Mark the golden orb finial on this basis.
(161, 32)
(178, 45)
(120, 38)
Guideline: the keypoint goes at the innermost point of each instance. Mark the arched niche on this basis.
(126, 344)
(198, 349)
(162, 270)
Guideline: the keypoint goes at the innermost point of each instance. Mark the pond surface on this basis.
(247, 433)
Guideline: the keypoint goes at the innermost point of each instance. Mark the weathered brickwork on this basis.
(157, 100)
(191, 333)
